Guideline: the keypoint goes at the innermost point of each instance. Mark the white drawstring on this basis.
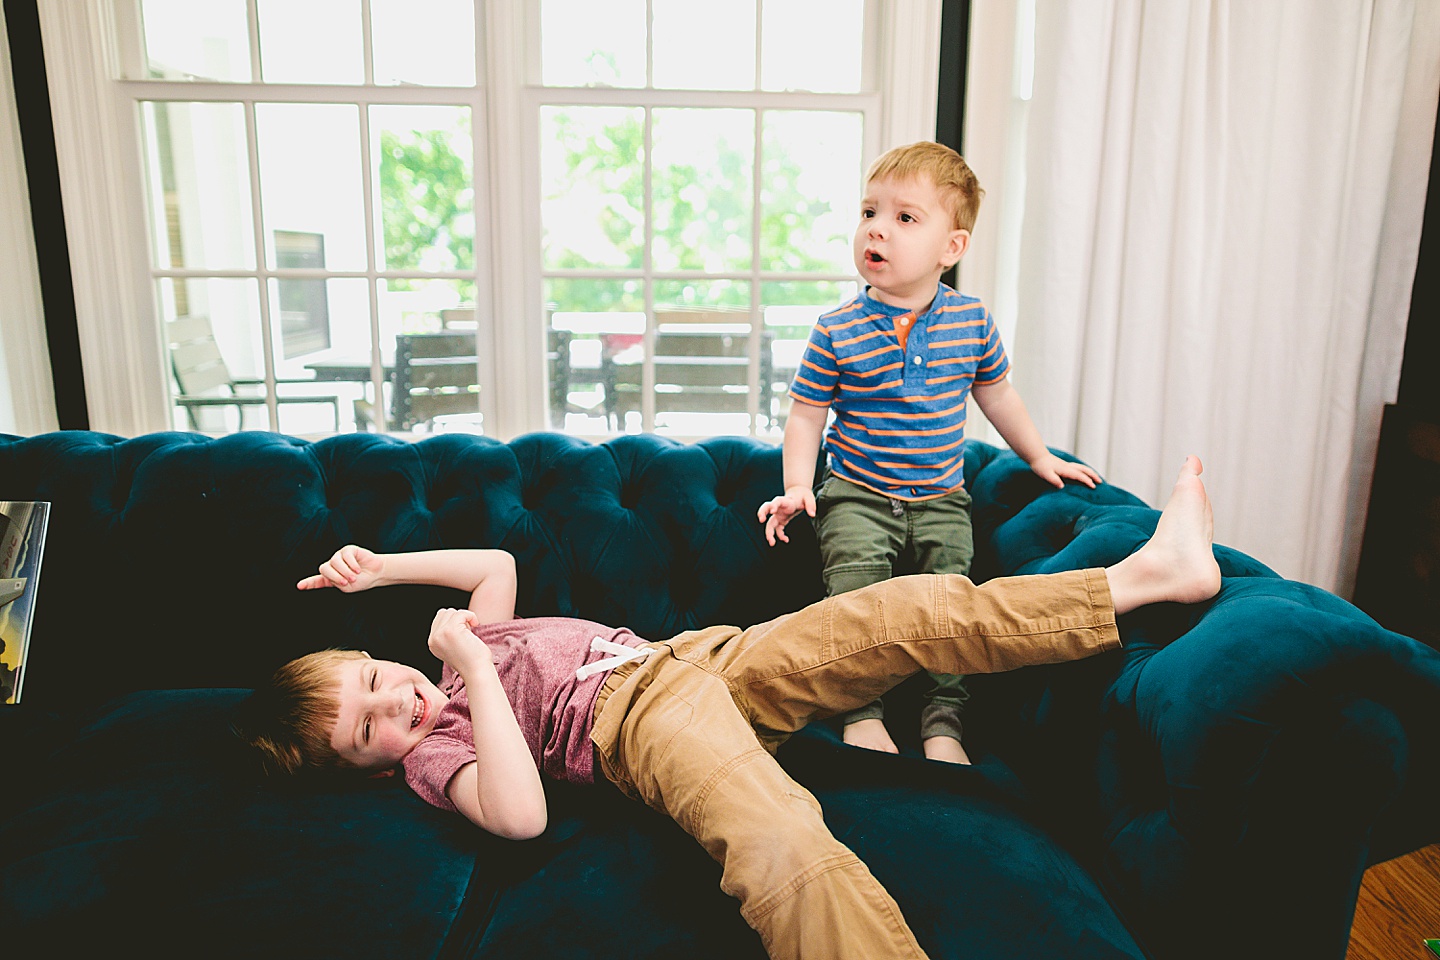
(621, 654)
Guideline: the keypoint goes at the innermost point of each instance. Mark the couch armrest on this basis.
(1262, 743)
(1257, 661)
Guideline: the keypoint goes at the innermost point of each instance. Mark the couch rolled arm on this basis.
(1257, 662)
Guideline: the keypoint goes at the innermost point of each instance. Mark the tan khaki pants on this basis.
(691, 731)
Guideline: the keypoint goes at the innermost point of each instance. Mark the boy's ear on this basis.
(955, 249)
(382, 774)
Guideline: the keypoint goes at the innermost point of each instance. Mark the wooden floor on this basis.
(1398, 908)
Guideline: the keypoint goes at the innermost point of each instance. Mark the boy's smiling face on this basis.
(386, 709)
(905, 240)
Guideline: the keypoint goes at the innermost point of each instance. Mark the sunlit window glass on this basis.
(702, 183)
(425, 175)
(314, 324)
(808, 50)
(592, 324)
(211, 329)
(810, 190)
(701, 47)
(589, 44)
(428, 331)
(199, 179)
(702, 358)
(185, 40)
(592, 181)
(311, 41)
(310, 177)
(429, 42)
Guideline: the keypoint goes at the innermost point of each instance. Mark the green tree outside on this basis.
(427, 205)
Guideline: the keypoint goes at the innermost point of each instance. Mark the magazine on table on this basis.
(22, 546)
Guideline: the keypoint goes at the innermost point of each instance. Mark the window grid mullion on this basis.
(262, 263)
(367, 43)
(367, 200)
(252, 27)
(755, 342)
(310, 273)
(650, 44)
(209, 91)
(759, 45)
(647, 368)
(647, 360)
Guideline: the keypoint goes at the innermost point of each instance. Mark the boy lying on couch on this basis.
(689, 725)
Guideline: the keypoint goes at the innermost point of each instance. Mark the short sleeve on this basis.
(994, 364)
(431, 766)
(819, 374)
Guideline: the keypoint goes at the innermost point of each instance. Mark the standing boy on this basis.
(897, 365)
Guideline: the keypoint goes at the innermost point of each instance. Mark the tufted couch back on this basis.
(180, 553)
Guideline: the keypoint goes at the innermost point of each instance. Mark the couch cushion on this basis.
(151, 826)
(153, 829)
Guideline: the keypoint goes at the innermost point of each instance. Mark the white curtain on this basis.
(1222, 205)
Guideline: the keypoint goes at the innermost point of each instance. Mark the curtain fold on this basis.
(1222, 210)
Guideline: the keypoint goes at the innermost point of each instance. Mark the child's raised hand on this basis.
(776, 513)
(1055, 471)
(451, 639)
(350, 570)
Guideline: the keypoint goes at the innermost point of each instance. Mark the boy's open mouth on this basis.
(872, 257)
(419, 713)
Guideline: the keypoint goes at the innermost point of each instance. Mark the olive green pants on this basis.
(866, 537)
(692, 731)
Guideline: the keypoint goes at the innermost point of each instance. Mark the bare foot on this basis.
(945, 748)
(870, 734)
(1176, 564)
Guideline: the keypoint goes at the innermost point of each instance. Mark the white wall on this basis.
(27, 398)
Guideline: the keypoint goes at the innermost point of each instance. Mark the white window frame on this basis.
(88, 42)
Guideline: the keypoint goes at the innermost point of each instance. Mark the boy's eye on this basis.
(866, 214)
(906, 218)
(374, 680)
(367, 730)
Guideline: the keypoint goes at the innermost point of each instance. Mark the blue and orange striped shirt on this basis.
(899, 425)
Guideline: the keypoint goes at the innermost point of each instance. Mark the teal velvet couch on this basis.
(1216, 788)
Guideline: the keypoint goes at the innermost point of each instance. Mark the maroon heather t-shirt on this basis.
(536, 660)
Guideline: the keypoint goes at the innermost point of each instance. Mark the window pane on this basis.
(697, 47)
(187, 40)
(592, 186)
(806, 50)
(212, 330)
(426, 306)
(320, 332)
(702, 357)
(810, 193)
(590, 323)
(589, 44)
(702, 181)
(311, 41)
(302, 304)
(428, 42)
(428, 330)
(790, 309)
(310, 178)
(199, 181)
(426, 185)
